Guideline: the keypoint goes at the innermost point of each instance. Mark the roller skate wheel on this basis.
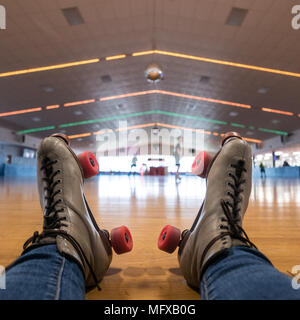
(62, 136)
(169, 239)
(201, 164)
(230, 135)
(121, 240)
(89, 164)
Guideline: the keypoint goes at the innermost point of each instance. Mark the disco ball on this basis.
(153, 72)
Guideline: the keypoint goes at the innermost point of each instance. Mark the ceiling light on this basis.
(53, 67)
(76, 103)
(154, 72)
(277, 111)
(119, 56)
(263, 90)
(35, 130)
(283, 133)
(275, 121)
(11, 113)
(47, 89)
(52, 107)
(155, 130)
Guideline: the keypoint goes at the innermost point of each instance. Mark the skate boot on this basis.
(218, 225)
(68, 220)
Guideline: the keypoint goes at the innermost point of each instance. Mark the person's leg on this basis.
(243, 273)
(177, 172)
(43, 274)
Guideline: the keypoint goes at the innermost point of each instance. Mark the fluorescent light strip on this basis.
(282, 133)
(76, 103)
(80, 135)
(12, 113)
(127, 95)
(237, 125)
(53, 107)
(161, 52)
(36, 130)
(228, 63)
(183, 128)
(135, 127)
(169, 93)
(123, 116)
(47, 68)
(103, 131)
(188, 117)
(204, 99)
(130, 115)
(278, 111)
(120, 56)
(252, 140)
(143, 53)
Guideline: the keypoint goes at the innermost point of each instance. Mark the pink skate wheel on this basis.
(201, 164)
(121, 240)
(89, 164)
(169, 239)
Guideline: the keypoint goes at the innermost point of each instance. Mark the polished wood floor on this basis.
(145, 205)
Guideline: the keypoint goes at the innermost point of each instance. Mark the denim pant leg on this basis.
(43, 274)
(244, 274)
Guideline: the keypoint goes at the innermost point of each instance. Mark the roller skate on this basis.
(68, 220)
(218, 224)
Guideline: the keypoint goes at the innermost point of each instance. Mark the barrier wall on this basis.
(283, 172)
(19, 167)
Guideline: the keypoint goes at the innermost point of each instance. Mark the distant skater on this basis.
(262, 171)
(133, 165)
(177, 154)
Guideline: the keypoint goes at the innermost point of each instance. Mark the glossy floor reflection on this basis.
(145, 205)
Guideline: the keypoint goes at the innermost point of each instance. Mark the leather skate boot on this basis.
(218, 225)
(68, 221)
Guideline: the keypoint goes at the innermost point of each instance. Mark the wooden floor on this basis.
(145, 205)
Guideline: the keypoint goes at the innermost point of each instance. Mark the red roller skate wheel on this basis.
(89, 164)
(201, 164)
(121, 240)
(169, 239)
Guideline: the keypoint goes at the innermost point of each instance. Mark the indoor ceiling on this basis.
(195, 92)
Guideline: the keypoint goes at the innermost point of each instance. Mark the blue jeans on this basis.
(43, 274)
(245, 274)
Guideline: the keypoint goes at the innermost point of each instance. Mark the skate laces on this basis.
(51, 219)
(53, 223)
(231, 209)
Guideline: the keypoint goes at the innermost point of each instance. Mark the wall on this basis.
(277, 142)
(13, 145)
(284, 172)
